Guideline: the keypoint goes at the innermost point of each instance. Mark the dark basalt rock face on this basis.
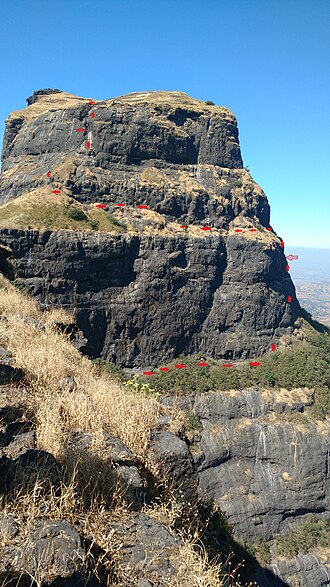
(147, 295)
(142, 300)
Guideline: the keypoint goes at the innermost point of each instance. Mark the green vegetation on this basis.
(311, 534)
(136, 386)
(238, 184)
(107, 367)
(304, 365)
(210, 103)
(260, 550)
(77, 214)
(41, 211)
(192, 422)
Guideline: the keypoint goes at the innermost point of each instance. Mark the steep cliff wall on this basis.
(198, 269)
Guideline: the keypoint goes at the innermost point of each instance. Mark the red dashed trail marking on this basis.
(56, 191)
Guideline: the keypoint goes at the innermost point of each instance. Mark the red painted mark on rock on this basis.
(253, 230)
(289, 299)
(228, 365)
(56, 191)
(183, 226)
(143, 207)
(48, 173)
(206, 228)
(148, 373)
(292, 257)
(120, 204)
(254, 364)
(163, 369)
(238, 230)
(80, 129)
(103, 206)
(88, 145)
(91, 102)
(269, 228)
(287, 267)
(93, 115)
(202, 364)
(273, 347)
(282, 244)
(180, 366)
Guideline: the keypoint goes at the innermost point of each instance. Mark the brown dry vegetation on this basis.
(97, 405)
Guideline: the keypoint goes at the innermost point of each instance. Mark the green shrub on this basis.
(76, 214)
(108, 367)
(261, 551)
(94, 224)
(192, 422)
(210, 103)
(115, 222)
(238, 184)
(312, 533)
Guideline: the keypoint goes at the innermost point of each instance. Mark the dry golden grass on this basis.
(97, 405)
(86, 496)
(194, 569)
(42, 210)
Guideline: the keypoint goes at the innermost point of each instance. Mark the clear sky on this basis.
(266, 60)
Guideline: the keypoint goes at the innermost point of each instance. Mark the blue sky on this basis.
(266, 60)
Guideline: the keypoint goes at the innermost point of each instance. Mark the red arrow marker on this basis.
(253, 230)
(180, 366)
(56, 191)
(183, 226)
(163, 369)
(88, 145)
(148, 373)
(143, 207)
(270, 228)
(287, 267)
(254, 364)
(93, 115)
(228, 365)
(80, 129)
(289, 299)
(91, 102)
(273, 347)
(206, 228)
(48, 173)
(282, 244)
(202, 364)
(120, 204)
(238, 230)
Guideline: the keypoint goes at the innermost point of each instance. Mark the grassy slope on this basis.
(41, 211)
(98, 404)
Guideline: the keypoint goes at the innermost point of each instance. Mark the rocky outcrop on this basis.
(142, 300)
(265, 464)
(176, 278)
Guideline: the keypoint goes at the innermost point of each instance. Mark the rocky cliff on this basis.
(193, 265)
